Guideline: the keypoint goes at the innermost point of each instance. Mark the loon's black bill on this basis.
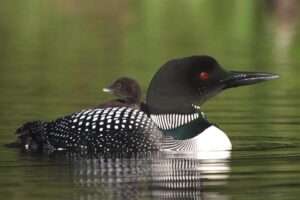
(236, 79)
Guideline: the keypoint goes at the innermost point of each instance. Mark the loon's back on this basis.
(116, 129)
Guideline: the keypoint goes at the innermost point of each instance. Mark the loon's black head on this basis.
(125, 88)
(181, 84)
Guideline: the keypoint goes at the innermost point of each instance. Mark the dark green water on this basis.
(55, 57)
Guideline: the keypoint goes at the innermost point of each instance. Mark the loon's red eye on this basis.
(203, 75)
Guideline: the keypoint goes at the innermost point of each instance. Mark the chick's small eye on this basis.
(119, 85)
(203, 75)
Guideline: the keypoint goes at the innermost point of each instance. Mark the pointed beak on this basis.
(108, 90)
(236, 79)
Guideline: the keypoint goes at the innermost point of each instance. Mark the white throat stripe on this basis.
(171, 121)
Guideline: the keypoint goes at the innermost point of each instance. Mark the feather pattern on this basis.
(172, 121)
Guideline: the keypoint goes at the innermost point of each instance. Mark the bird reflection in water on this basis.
(162, 175)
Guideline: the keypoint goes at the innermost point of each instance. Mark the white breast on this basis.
(211, 139)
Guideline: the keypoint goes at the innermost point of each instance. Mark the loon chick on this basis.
(177, 90)
(129, 92)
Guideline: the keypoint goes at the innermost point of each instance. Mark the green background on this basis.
(56, 56)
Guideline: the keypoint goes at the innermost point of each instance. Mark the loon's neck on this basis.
(181, 126)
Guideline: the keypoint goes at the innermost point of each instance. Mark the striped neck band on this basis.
(172, 121)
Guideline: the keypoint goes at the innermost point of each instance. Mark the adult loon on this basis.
(175, 93)
(128, 91)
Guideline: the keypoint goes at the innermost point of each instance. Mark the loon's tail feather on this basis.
(31, 136)
(15, 144)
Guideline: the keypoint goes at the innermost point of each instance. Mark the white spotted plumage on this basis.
(109, 129)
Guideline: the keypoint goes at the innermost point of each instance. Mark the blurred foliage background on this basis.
(56, 56)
